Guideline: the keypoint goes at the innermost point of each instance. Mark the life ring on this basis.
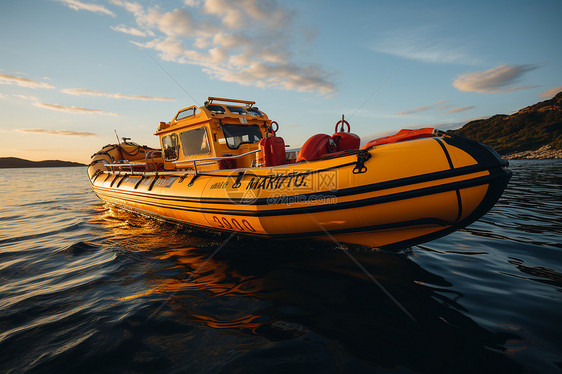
(343, 122)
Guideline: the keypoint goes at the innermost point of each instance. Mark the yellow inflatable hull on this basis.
(391, 195)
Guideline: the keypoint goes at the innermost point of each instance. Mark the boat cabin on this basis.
(234, 134)
(222, 134)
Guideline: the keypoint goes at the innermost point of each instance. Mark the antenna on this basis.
(174, 79)
(118, 141)
(381, 85)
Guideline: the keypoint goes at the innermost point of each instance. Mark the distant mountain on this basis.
(14, 162)
(529, 129)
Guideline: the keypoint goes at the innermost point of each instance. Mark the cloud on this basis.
(550, 93)
(14, 80)
(73, 109)
(87, 92)
(461, 109)
(248, 42)
(177, 22)
(286, 76)
(131, 31)
(496, 80)
(129, 6)
(171, 49)
(57, 132)
(237, 13)
(95, 8)
(26, 97)
(423, 45)
(437, 107)
(416, 110)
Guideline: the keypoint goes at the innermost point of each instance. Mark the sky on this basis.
(72, 72)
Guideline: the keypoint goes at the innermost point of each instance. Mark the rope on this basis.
(362, 157)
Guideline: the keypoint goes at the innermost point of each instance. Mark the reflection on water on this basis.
(86, 287)
(306, 293)
(539, 273)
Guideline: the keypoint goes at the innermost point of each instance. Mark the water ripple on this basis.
(86, 287)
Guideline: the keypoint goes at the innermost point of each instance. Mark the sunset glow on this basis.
(91, 67)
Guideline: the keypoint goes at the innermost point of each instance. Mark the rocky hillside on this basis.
(14, 162)
(529, 129)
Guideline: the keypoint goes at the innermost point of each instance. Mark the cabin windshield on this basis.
(240, 134)
(195, 142)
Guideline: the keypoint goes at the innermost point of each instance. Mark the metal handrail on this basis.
(214, 159)
(211, 99)
(127, 164)
(151, 153)
(120, 165)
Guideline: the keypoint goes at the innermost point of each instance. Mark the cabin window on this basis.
(254, 112)
(170, 146)
(215, 109)
(195, 142)
(240, 134)
(237, 110)
(187, 113)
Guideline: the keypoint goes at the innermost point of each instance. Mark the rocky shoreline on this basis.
(543, 153)
(16, 163)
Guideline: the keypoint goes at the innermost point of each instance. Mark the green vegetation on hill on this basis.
(14, 162)
(526, 130)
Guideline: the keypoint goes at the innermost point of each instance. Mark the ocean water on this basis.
(88, 288)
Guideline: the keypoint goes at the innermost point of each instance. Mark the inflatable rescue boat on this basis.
(222, 166)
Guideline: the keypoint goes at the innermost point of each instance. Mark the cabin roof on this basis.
(215, 107)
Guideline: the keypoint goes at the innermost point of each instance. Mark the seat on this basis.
(315, 147)
(271, 151)
(346, 141)
(227, 163)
